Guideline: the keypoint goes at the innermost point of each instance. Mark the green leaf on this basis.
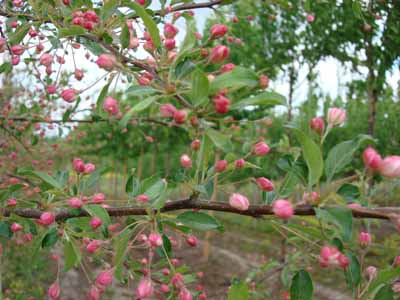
(220, 140)
(147, 20)
(155, 190)
(385, 293)
(74, 30)
(108, 9)
(340, 216)
(120, 246)
(101, 97)
(357, 10)
(99, 211)
(349, 192)
(267, 99)
(342, 154)
(50, 239)
(237, 78)
(352, 272)
(5, 230)
(6, 68)
(72, 255)
(140, 90)
(239, 291)
(142, 105)
(302, 286)
(125, 36)
(384, 276)
(132, 185)
(200, 87)
(19, 34)
(199, 221)
(312, 155)
(44, 177)
(288, 185)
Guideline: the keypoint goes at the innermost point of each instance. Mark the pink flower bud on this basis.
(227, 68)
(28, 237)
(265, 184)
(11, 202)
(221, 165)
(106, 61)
(17, 49)
(15, 227)
(239, 202)
(191, 240)
(167, 110)
(15, 60)
(317, 124)
(261, 148)
(145, 289)
(180, 116)
(169, 44)
(142, 198)
(170, 31)
(185, 295)
(155, 239)
(364, 238)
(371, 158)
(95, 222)
(89, 168)
(219, 54)
(396, 261)
(310, 18)
(371, 272)
(195, 145)
(105, 278)
(221, 104)
(93, 246)
(94, 293)
(283, 209)
(240, 163)
(218, 31)
(344, 261)
(78, 165)
(46, 59)
(178, 280)
(164, 288)
(310, 198)
(68, 95)
(110, 105)
(336, 116)
(51, 89)
(98, 198)
(75, 202)
(47, 218)
(78, 74)
(186, 161)
(390, 166)
(54, 291)
(263, 81)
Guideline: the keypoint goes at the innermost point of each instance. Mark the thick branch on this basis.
(253, 211)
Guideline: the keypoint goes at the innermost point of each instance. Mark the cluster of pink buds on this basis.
(88, 19)
(336, 117)
(80, 167)
(388, 167)
(332, 257)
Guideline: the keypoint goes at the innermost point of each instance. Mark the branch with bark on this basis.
(257, 211)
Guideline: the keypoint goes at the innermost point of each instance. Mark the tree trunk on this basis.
(292, 81)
